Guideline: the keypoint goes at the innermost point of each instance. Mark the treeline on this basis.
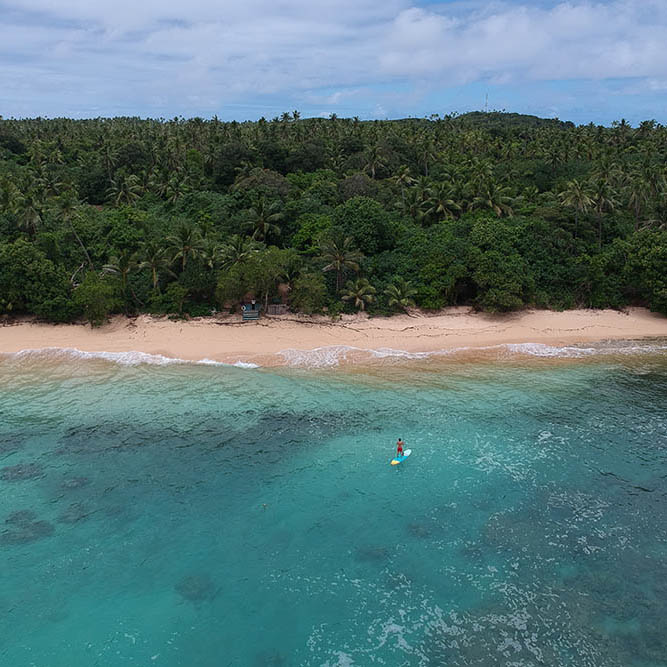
(496, 210)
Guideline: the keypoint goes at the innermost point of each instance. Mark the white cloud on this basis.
(152, 55)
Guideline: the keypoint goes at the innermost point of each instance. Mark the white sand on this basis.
(227, 339)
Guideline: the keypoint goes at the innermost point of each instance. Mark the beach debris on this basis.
(24, 528)
(197, 588)
(21, 471)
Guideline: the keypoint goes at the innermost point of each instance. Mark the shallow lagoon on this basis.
(210, 515)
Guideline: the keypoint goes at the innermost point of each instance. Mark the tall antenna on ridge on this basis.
(486, 104)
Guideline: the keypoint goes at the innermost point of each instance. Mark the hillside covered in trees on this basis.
(495, 210)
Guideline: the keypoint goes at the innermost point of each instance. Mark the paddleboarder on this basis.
(399, 448)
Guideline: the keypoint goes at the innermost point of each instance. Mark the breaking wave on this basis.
(336, 355)
(133, 358)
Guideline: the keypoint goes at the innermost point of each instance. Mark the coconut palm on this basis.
(237, 250)
(263, 218)
(603, 201)
(156, 259)
(10, 196)
(177, 187)
(374, 159)
(400, 294)
(403, 179)
(185, 243)
(577, 197)
(125, 189)
(121, 265)
(440, 204)
(210, 252)
(68, 207)
(341, 256)
(30, 213)
(639, 196)
(413, 204)
(494, 197)
(360, 292)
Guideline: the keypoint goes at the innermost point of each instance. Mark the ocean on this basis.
(182, 514)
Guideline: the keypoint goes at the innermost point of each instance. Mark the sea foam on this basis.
(131, 358)
(335, 355)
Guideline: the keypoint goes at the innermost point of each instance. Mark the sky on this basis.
(243, 59)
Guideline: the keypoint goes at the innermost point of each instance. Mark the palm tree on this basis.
(177, 186)
(400, 294)
(121, 265)
(156, 259)
(425, 154)
(237, 250)
(30, 213)
(185, 243)
(210, 252)
(403, 179)
(373, 160)
(10, 196)
(341, 256)
(603, 201)
(413, 205)
(639, 195)
(125, 189)
(69, 206)
(493, 197)
(263, 218)
(576, 196)
(440, 203)
(360, 292)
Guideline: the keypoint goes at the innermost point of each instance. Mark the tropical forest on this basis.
(189, 217)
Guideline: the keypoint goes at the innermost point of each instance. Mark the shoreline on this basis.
(277, 340)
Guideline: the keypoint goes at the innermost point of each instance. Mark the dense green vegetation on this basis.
(187, 216)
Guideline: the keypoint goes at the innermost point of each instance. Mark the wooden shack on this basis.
(277, 309)
(250, 311)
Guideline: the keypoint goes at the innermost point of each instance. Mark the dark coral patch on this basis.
(372, 553)
(30, 531)
(21, 518)
(74, 513)
(196, 588)
(21, 471)
(419, 530)
(11, 442)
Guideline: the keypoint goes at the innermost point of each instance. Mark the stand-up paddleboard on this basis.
(400, 459)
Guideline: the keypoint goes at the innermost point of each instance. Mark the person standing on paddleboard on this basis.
(399, 448)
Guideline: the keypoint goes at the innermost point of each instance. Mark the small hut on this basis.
(250, 311)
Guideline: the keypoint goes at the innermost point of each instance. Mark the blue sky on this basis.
(577, 60)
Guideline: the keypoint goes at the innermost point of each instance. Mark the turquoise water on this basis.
(209, 515)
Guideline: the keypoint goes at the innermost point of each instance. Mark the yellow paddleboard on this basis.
(400, 459)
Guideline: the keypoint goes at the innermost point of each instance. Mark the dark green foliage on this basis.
(31, 283)
(646, 267)
(309, 293)
(493, 210)
(311, 227)
(170, 302)
(96, 298)
(365, 222)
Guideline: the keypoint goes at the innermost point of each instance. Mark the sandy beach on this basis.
(227, 339)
